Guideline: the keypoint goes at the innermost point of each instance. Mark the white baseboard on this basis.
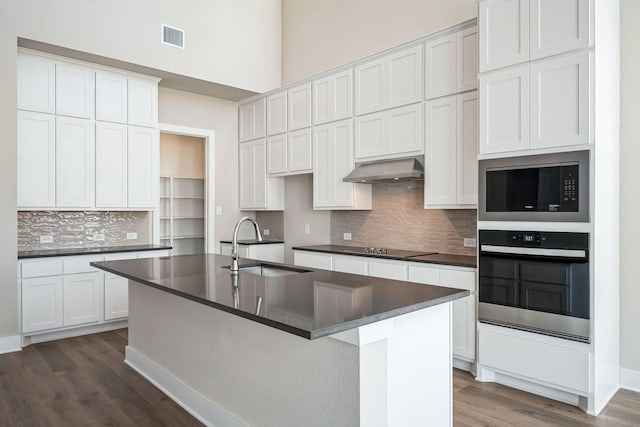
(10, 344)
(74, 332)
(630, 380)
(192, 401)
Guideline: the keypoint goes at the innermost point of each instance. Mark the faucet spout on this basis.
(234, 242)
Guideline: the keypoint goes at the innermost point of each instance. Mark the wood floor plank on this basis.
(84, 381)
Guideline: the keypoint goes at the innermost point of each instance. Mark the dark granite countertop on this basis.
(308, 303)
(436, 258)
(254, 242)
(42, 253)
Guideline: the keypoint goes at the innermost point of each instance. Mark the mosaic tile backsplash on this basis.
(398, 220)
(76, 229)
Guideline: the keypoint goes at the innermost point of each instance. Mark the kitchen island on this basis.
(285, 346)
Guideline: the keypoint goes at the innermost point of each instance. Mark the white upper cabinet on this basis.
(451, 164)
(75, 162)
(111, 165)
(75, 91)
(289, 154)
(277, 113)
(398, 131)
(111, 97)
(142, 102)
(451, 64)
(252, 120)
(257, 191)
(504, 33)
(143, 167)
(277, 154)
(332, 161)
(36, 84)
(441, 75)
(333, 97)
(404, 77)
(393, 80)
(300, 106)
(560, 101)
(558, 26)
(467, 66)
(36, 160)
(504, 110)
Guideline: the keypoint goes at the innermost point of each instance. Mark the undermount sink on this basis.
(268, 270)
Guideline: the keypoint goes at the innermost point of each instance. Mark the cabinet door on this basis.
(75, 91)
(560, 101)
(260, 174)
(299, 151)
(504, 110)
(116, 297)
(253, 181)
(504, 33)
(333, 160)
(36, 160)
(370, 87)
(313, 260)
(300, 107)
(467, 64)
(348, 264)
(388, 269)
(441, 75)
(247, 172)
(405, 130)
(36, 84)
(333, 97)
(82, 296)
(143, 164)
(75, 162)
(370, 135)
(252, 120)
(558, 26)
(111, 165)
(111, 97)
(404, 77)
(467, 147)
(277, 113)
(277, 154)
(245, 122)
(463, 320)
(142, 102)
(441, 152)
(41, 303)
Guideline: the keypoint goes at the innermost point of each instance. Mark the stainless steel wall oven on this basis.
(535, 281)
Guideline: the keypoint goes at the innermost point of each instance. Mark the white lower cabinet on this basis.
(82, 298)
(41, 303)
(273, 252)
(116, 297)
(63, 293)
(463, 309)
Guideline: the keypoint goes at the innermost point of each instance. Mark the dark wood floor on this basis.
(84, 382)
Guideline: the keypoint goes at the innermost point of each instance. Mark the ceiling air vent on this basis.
(172, 36)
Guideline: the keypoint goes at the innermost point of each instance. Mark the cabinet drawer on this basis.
(51, 267)
(424, 275)
(396, 270)
(545, 362)
(80, 264)
(458, 279)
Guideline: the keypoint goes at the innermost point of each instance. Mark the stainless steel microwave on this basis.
(545, 187)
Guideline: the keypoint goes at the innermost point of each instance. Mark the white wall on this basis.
(319, 35)
(629, 194)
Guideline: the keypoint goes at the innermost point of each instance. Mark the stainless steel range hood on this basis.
(392, 170)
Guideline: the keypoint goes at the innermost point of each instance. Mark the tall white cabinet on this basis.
(78, 147)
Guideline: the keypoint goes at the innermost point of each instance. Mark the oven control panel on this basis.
(541, 239)
(525, 238)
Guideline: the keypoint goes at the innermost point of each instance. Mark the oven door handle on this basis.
(511, 250)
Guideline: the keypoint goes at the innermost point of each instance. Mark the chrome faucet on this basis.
(234, 242)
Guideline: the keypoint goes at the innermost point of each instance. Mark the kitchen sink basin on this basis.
(268, 270)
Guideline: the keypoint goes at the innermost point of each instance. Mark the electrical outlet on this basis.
(469, 243)
(98, 237)
(307, 229)
(265, 231)
(132, 236)
(46, 239)
(218, 210)
(346, 236)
